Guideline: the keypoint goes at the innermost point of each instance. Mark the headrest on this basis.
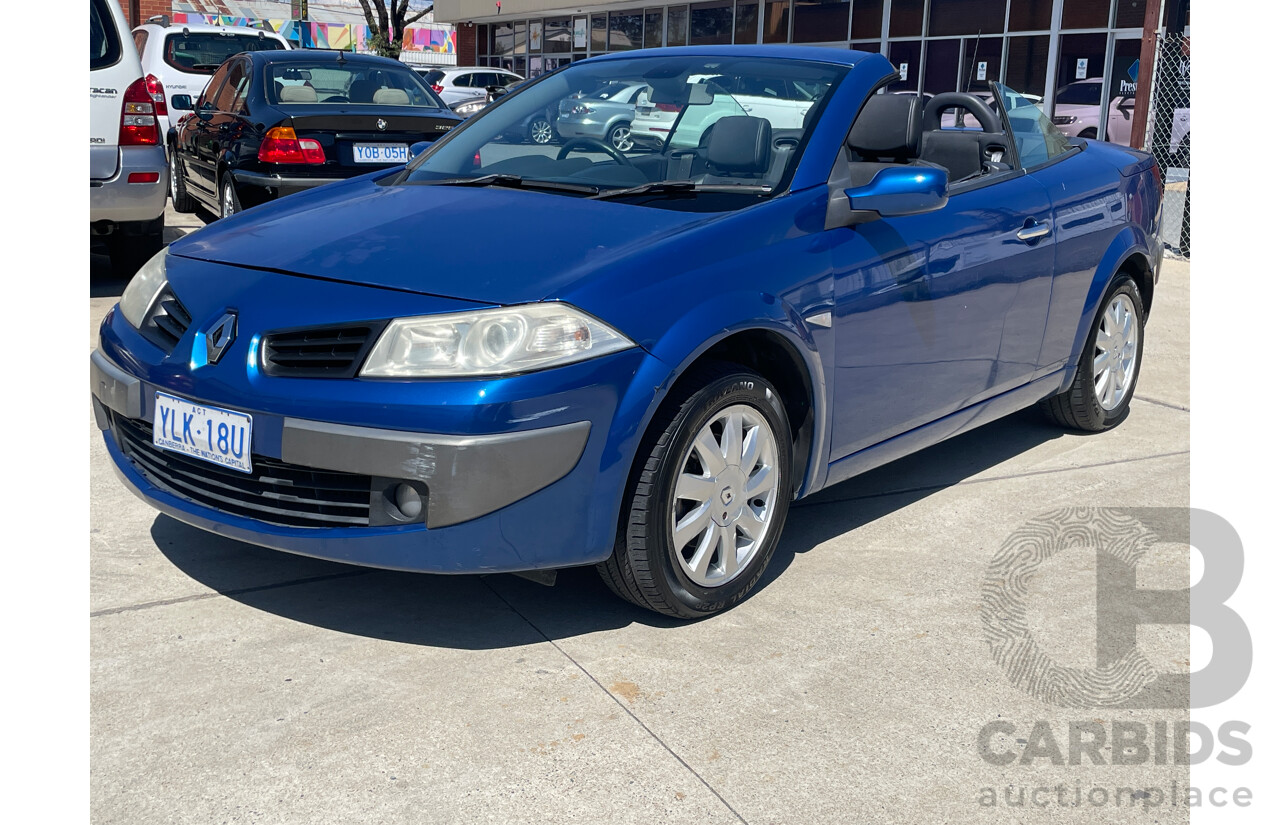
(391, 97)
(297, 94)
(740, 144)
(362, 91)
(888, 126)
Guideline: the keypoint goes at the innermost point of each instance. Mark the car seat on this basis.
(963, 153)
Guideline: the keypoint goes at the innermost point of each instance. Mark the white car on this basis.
(128, 176)
(784, 104)
(456, 83)
(179, 59)
(1076, 113)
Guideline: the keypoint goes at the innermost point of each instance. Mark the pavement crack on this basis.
(1160, 403)
(933, 488)
(617, 702)
(111, 611)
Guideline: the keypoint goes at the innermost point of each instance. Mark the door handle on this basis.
(1033, 231)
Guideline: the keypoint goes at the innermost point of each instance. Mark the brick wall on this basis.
(145, 9)
(466, 44)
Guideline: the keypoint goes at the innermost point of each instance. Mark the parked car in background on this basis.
(127, 178)
(454, 83)
(180, 59)
(603, 113)
(271, 123)
(468, 107)
(718, 331)
(784, 103)
(1077, 108)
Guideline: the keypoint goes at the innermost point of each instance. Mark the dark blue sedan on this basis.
(509, 357)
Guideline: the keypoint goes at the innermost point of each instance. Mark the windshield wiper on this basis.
(515, 182)
(681, 186)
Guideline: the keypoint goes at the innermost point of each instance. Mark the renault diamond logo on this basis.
(218, 338)
(382, 125)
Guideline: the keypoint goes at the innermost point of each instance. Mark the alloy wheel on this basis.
(621, 138)
(1115, 351)
(173, 176)
(540, 131)
(228, 200)
(725, 496)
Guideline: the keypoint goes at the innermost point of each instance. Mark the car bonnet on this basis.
(489, 245)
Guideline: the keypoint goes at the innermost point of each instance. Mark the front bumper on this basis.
(534, 481)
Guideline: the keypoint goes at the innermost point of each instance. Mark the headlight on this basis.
(1064, 120)
(496, 341)
(470, 108)
(141, 292)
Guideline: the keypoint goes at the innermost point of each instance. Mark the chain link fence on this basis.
(1169, 137)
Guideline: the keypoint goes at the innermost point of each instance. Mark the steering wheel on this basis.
(970, 103)
(591, 143)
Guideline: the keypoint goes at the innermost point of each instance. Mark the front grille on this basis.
(318, 352)
(167, 322)
(275, 492)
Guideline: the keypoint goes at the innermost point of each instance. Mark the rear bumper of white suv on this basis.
(118, 201)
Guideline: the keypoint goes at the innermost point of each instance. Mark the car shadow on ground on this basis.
(497, 611)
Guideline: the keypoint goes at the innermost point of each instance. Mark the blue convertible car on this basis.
(659, 352)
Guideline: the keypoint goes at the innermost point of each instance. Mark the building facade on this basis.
(1064, 51)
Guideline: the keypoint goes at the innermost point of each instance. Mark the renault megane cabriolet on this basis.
(661, 350)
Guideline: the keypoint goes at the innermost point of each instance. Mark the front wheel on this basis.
(1107, 374)
(707, 506)
(541, 131)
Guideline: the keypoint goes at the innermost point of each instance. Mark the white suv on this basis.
(128, 176)
(457, 83)
(179, 59)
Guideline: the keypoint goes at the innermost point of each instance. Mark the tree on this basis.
(387, 21)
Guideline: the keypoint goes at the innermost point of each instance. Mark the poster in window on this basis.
(535, 36)
(579, 32)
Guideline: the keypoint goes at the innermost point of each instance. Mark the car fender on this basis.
(1125, 245)
(707, 324)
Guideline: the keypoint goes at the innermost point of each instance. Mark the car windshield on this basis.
(347, 83)
(204, 52)
(733, 126)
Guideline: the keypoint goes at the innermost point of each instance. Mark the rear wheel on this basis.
(1099, 397)
(620, 137)
(707, 505)
(182, 202)
(1091, 134)
(229, 202)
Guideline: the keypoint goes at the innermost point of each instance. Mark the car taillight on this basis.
(282, 145)
(437, 88)
(138, 117)
(580, 109)
(668, 107)
(156, 89)
(475, 161)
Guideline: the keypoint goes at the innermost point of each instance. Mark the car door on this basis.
(196, 137)
(939, 311)
(219, 130)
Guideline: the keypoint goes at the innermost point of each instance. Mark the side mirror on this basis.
(900, 191)
(182, 103)
(418, 148)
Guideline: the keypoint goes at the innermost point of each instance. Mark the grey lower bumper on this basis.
(467, 476)
(279, 181)
(119, 201)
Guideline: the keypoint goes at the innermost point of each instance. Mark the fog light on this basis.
(408, 502)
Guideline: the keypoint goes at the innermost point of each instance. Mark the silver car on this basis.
(603, 114)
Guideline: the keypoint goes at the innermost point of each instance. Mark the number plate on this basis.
(381, 152)
(209, 433)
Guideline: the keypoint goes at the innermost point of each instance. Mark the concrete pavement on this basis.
(235, 684)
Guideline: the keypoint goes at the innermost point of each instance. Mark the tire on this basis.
(1091, 134)
(182, 202)
(228, 200)
(1083, 406)
(620, 137)
(131, 246)
(541, 132)
(692, 576)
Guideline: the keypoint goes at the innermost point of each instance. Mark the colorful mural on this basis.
(440, 39)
